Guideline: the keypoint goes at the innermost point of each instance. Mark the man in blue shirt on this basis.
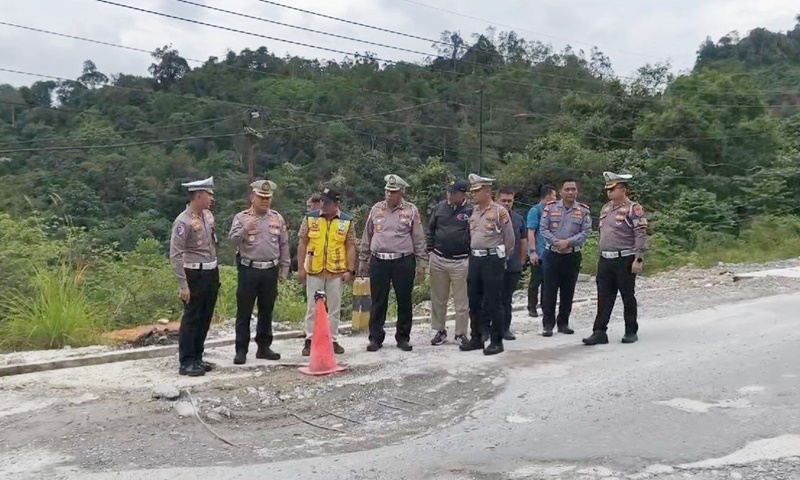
(536, 246)
(515, 261)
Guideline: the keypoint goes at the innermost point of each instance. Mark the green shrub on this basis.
(226, 300)
(291, 304)
(58, 313)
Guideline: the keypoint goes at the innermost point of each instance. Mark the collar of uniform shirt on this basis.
(621, 204)
(338, 214)
(402, 204)
(464, 202)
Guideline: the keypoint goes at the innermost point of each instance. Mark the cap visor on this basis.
(263, 195)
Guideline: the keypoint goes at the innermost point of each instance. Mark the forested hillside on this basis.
(91, 166)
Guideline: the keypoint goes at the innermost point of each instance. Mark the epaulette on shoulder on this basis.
(313, 214)
(552, 202)
(346, 216)
(584, 206)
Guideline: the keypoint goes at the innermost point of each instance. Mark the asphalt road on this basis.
(714, 384)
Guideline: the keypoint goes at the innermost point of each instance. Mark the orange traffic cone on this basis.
(322, 361)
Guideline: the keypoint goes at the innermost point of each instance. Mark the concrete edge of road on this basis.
(165, 351)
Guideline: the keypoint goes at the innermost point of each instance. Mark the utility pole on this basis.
(251, 150)
(480, 134)
(253, 136)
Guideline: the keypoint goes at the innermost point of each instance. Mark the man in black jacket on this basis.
(448, 243)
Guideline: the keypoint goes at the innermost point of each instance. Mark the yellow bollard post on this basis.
(361, 304)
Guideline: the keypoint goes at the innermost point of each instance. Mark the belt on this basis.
(618, 254)
(459, 256)
(390, 256)
(259, 265)
(201, 266)
(485, 252)
(569, 250)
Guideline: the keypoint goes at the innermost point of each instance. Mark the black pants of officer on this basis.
(485, 290)
(383, 275)
(560, 277)
(537, 275)
(510, 284)
(255, 285)
(614, 275)
(197, 314)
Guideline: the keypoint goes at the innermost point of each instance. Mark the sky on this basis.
(630, 32)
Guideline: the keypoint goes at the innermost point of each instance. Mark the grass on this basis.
(58, 313)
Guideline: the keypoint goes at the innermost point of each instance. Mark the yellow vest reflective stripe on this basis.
(326, 245)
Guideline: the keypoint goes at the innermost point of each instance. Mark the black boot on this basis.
(374, 346)
(404, 346)
(630, 338)
(597, 338)
(240, 358)
(307, 348)
(509, 336)
(266, 353)
(193, 370)
(475, 343)
(493, 349)
(565, 330)
(547, 332)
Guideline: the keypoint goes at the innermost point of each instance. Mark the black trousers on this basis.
(383, 275)
(614, 275)
(510, 284)
(255, 285)
(485, 290)
(560, 277)
(537, 275)
(197, 314)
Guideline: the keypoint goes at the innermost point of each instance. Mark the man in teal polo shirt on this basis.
(547, 193)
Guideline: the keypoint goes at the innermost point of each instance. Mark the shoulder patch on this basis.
(638, 210)
(180, 229)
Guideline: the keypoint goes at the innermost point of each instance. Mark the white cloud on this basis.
(631, 32)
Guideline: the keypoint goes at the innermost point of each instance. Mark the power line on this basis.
(351, 22)
(251, 17)
(180, 139)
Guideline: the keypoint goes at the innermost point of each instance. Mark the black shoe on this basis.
(493, 349)
(374, 346)
(337, 349)
(267, 353)
(630, 338)
(439, 338)
(474, 343)
(240, 358)
(485, 337)
(307, 348)
(509, 336)
(193, 370)
(461, 339)
(405, 346)
(207, 366)
(566, 330)
(597, 338)
(547, 332)
(533, 313)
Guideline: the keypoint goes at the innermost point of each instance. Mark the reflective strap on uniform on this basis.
(618, 254)
(200, 266)
(390, 256)
(259, 265)
(484, 252)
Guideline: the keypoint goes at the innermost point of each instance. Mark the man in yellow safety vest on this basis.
(326, 260)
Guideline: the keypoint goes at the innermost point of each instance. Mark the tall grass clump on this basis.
(58, 312)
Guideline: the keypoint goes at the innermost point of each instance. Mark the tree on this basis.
(91, 76)
(170, 69)
(40, 94)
